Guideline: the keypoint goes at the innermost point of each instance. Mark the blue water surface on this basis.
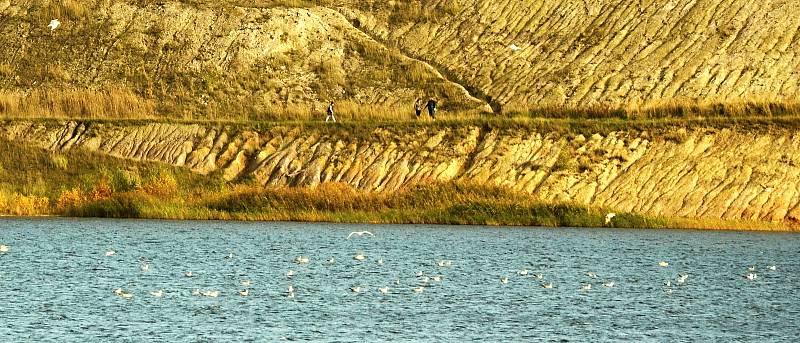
(57, 284)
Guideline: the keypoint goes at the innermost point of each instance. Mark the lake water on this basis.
(57, 284)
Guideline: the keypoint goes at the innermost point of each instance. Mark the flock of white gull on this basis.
(423, 280)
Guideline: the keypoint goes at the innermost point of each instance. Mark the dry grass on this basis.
(671, 109)
(82, 103)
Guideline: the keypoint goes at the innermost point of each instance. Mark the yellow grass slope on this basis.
(580, 53)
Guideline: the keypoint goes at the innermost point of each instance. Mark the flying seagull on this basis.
(54, 24)
(359, 234)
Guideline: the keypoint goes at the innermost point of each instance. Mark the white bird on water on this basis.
(547, 285)
(504, 280)
(609, 217)
(301, 260)
(772, 268)
(523, 272)
(682, 279)
(591, 275)
(608, 284)
(54, 24)
(157, 294)
(586, 287)
(122, 294)
(188, 274)
(380, 261)
(359, 257)
(663, 264)
(245, 283)
(144, 267)
(290, 273)
(751, 269)
(384, 290)
(290, 292)
(444, 263)
(110, 253)
(208, 294)
(355, 289)
(244, 293)
(359, 234)
(436, 278)
(4, 249)
(752, 276)
(419, 289)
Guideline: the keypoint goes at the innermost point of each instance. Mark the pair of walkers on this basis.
(430, 105)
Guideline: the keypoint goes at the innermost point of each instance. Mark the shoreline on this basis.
(761, 227)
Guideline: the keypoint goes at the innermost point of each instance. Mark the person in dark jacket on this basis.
(330, 113)
(417, 108)
(431, 105)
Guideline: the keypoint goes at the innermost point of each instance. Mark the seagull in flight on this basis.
(359, 234)
(54, 24)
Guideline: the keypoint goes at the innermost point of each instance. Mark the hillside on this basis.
(707, 173)
(285, 59)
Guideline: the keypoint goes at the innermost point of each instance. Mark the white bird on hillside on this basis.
(359, 234)
(514, 47)
(301, 260)
(110, 253)
(359, 257)
(157, 294)
(609, 217)
(4, 249)
(54, 24)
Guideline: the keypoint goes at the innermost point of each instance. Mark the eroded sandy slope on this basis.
(705, 173)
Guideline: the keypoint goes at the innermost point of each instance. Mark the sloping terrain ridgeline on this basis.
(579, 53)
(700, 173)
(253, 59)
(216, 60)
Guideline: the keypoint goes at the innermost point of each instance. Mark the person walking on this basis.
(330, 113)
(417, 107)
(431, 105)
